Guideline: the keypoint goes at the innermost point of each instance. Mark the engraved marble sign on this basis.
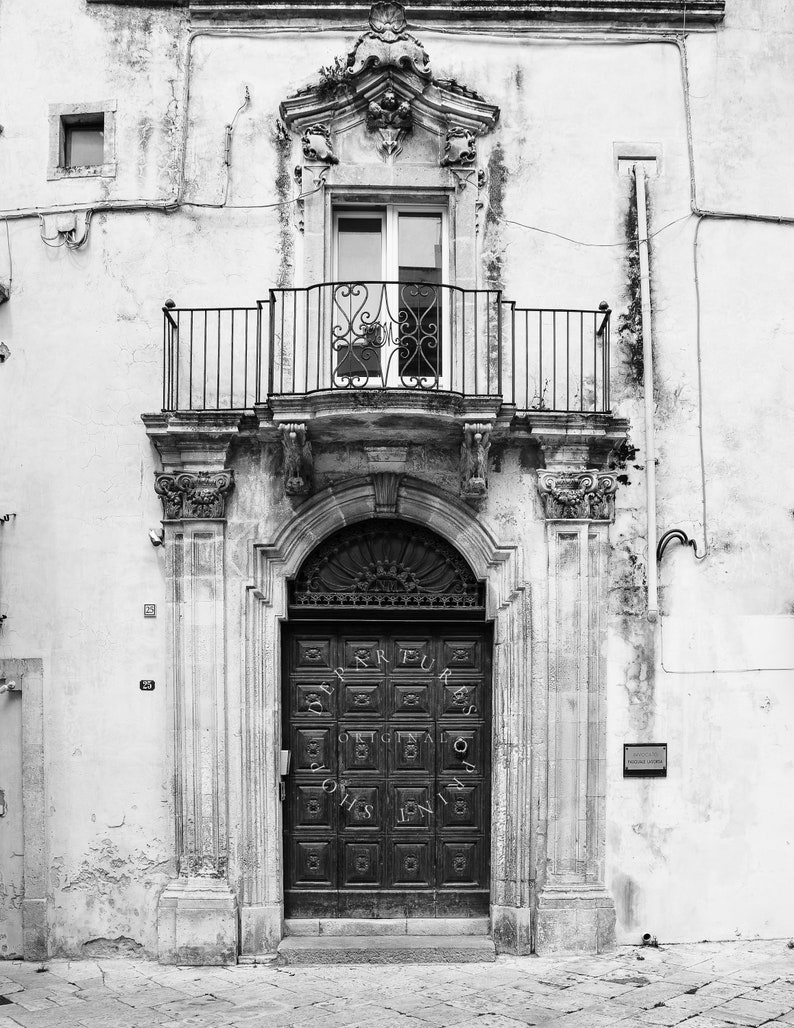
(645, 760)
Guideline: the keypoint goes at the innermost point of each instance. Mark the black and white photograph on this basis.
(396, 513)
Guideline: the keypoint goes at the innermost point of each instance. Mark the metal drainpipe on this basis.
(647, 360)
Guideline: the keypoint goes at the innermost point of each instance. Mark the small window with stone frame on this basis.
(82, 140)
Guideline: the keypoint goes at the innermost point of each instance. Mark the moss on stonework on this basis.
(493, 252)
(283, 146)
(630, 322)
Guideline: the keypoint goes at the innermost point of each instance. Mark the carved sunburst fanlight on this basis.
(386, 564)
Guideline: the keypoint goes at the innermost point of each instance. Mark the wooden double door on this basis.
(387, 806)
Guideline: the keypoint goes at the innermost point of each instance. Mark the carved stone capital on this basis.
(474, 460)
(298, 462)
(460, 148)
(317, 144)
(578, 495)
(193, 495)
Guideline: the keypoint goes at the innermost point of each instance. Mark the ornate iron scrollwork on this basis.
(386, 564)
(387, 333)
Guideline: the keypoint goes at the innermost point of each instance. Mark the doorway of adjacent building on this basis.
(387, 718)
(11, 823)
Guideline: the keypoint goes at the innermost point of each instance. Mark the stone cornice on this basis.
(194, 440)
(661, 13)
(574, 441)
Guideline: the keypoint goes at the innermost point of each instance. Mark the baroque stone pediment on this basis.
(387, 73)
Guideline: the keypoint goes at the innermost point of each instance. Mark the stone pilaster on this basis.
(574, 912)
(197, 912)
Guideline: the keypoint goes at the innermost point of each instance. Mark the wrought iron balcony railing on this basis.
(417, 336)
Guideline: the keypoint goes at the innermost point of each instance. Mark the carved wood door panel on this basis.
(387, 810)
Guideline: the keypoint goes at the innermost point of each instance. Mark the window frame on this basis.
(62, 115)
(389, 212)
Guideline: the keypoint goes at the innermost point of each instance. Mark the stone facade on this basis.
(238, 138)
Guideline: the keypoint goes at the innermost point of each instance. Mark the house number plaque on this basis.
(645, 760)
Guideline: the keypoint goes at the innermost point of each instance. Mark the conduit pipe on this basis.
(647, 366)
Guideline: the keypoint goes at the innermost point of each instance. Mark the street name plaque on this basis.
(645, 760)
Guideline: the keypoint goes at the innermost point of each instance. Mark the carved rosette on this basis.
(191, 495)
(578, 495)
(298, 462)
(460, 148)
(317, 144)
(474, 460)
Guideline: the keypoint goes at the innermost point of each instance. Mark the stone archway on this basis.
(507, 606)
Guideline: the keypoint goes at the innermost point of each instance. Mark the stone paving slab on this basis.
(705, 985)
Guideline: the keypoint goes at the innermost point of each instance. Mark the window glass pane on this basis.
(83, 145)
(360, 250)
(419, 247)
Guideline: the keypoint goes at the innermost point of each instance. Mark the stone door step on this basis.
(347, 926)
(386, 949)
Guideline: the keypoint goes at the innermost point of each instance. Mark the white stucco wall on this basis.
(703, 854)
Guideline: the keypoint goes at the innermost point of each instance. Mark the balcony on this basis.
(344, 338)
(390, 361)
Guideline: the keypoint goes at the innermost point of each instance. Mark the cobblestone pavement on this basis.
(700, 986)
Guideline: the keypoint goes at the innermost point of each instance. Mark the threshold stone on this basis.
(386, 949)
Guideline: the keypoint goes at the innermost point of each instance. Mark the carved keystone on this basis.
(298, 463)
(393, 119)
(386, 485)
(578, 495)
(190, 495)
(474, 460)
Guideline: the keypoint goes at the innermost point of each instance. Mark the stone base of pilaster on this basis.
(511, 928)
(197, 923)
(574, 919)
(261, 929)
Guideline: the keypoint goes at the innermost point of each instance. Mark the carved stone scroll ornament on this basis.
(298, 464)
(460, 148)
(387, 44)
(317, 144)
(193, 495)
(578, 495)
(474, 460)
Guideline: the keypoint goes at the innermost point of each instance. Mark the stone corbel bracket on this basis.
(578, 495)
(298, 461)
(192, 495)
(474, 460)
